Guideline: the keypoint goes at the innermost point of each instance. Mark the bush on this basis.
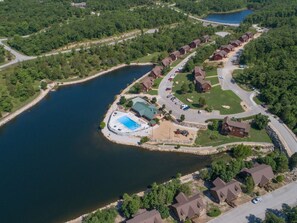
(102, 125)
(106, 215)
(130, 104)
(43, 85)
(279, 178)
(131, 205)
(241, 151)
(123, 100)
(293, 161)
(144, 140)
(209, 109)
(214, 212)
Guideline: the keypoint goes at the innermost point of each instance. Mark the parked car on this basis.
(186, 108)
(169, 96)
(168, 89)
(183, 106)
(257, 200)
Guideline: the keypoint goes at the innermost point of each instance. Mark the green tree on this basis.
(154, 100)
(123, 100)
(293, 161)
(202, 101)
(270, 217)
(191, 87)
(249, 183)
(184, 88)
(106, 216)
(182, 117)
(130, 205)
(130, 104)
(241, 151)
(261, 121)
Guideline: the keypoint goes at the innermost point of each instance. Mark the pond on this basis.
(55, 165)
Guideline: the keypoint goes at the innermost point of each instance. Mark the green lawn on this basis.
(213, 80)
(215, 98)
(148, 58)
(157, 83)
(214, 138)
(152, 92)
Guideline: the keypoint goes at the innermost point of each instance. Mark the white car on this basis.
(220, 77)
(256, 200)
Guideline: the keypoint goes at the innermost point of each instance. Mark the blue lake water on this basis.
(55, 165)
(233, 18)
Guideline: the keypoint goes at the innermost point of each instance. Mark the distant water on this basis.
(233, 18)
(55, 165)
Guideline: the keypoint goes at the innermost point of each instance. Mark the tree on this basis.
(249, 183)
(123, 100)
(241, 151)
(182, 118)
(130, 104)
(282, 163)
(270, 217)
(130, 205)
(184, 88)
(261, 121)
(144, 139)
(214, 125)
(43, 85)
(191, 87)
(102, 125)
(154, 100)
(106, 215)
(293, 161)
(202, 101)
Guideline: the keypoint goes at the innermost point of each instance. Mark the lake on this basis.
(232, 18)
(55, 165)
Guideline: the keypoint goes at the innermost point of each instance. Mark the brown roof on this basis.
(152, 216)
(197, 41)
(201, 80)
(242, 125)
(199, 72)
(226, 191)
(166, 62)
(157, 70)
(188, 207)
(261, 173)
(148, 82)
(245, 37)
(249, 34)
(175, 53)
(236, 42)
(186, 48)
(222, 53)
(229, 47)
(206, 37)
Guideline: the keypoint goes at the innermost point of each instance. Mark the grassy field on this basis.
(152, 92)
(214, 138)
(148, 58)
(216, 98)
(157, 83)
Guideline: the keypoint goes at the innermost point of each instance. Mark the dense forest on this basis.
(21, 82)
(107, 24)
(25, 17)
(2, 54)
(208, 6)
(272, 59)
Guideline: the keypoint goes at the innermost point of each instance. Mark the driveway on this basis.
(250, 212)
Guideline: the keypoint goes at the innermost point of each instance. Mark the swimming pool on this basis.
(129, 123)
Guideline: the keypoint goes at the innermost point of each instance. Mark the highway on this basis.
(250, 212)
(285, 134)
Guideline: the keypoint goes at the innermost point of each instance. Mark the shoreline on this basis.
(43, 93)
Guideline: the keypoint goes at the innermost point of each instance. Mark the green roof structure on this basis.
(145, 110)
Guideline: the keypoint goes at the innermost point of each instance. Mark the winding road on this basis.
(285, 134)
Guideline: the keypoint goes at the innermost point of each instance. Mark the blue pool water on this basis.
(129, 123)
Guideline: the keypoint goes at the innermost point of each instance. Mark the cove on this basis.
(232, 18)
(55, 165)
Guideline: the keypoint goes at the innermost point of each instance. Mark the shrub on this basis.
(214, 212)
(241, 151)
(144, 140)
(279, 178)
(130, 104)
(106, 215)
(123, 100)
(293, 161)
(102, 125)
(43, 85)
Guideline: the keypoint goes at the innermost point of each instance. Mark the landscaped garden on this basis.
(215, 99)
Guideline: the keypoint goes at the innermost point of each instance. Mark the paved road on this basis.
(20, 57)
(285, 134)
(249, 211)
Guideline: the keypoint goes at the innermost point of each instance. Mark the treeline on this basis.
(26, 17)
(21, 81)
(272, 60)
(286, 215)
(209, 6)
(2, 54)
(116, 4)
(95, 27)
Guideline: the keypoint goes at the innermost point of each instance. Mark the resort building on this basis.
(198, 72)
(145, 216)
(249, 34)
(219, 55)
(145, 110)
(156, 72)
(227, 48)
(175, 55)
(188, 208)
(235, 128)
(147, 83)
(195, 43)
(244, 38)
(225, 192)
(166, 62)
(260, 173)
(185, 49)
(235, 43)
